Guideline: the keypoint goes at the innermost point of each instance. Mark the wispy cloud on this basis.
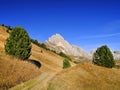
(93, 46)
(100, 36)
(110, 27)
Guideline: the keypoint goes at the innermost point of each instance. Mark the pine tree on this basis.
(103, 57)
(18, 44)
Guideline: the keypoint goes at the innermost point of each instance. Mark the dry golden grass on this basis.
(14, 71)
(86, 77)
(117, 62)
(50, 65)
(80, 77)
(3, 36)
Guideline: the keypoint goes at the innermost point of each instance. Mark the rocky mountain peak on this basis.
(56, 38)
(59, 44)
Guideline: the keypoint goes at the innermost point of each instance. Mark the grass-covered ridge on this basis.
(14, 71)
(86, 77)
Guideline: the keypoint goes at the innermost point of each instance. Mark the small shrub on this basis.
(77, 62)
(54, 51)
(41, 51)
(2, 25)
(43, 46)
(35, 42)
(103, 57)
(9, 29)
(66, 63)
(64, 55)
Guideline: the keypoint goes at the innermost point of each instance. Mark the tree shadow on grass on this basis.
(34, 62)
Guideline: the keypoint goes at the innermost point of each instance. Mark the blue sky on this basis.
(86, 23)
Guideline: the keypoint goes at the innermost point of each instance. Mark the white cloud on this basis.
(100, 36)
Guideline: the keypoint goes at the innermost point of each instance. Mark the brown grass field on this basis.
(47, 73)
(14, 71)
(86, 77)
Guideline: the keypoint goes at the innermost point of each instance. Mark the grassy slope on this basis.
(50, 65)
(13, 71)
(80, 77)
(3, 36)
(86, 77)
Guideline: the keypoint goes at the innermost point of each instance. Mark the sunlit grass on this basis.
(86, 77)
(13, 71)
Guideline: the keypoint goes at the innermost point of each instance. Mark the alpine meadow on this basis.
(60, 45)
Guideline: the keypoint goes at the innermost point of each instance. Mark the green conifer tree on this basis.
(104, 57)
(18, 43)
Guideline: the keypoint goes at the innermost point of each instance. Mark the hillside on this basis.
(3, 36)
(22, 71)
(80, 77)
(43, 71)
(86, 77)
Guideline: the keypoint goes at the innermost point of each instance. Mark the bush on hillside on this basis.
(42, 45)
(64, 55)
(9, 29)
(35, 42)
(77, 62)
(18, 44)
(54, 51)
(103, 57)
(2, 25)
(66, 63)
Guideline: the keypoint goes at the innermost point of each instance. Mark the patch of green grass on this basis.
(25, 86)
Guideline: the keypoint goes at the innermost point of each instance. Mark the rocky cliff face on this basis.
(59, 44)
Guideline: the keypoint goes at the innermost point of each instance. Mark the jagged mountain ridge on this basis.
(59, 44)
